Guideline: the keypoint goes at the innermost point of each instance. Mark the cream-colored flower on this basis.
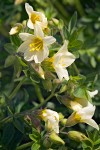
(35, 17)
(51, 119)
(83, 115)
(35, 47)
(77, 103)
(61, 60)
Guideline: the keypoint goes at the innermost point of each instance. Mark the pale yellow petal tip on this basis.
(13, 30)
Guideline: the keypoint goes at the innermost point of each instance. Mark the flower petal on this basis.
(68, 58)
(30, 24)
(28, 8)
(91, 122)
(87, 112)
(71, 120)
(93, 93)
(38, 30)
(26, 36)
(45, 52)
(49, 40)
(24, 46)
(38, 56)
(62, 73)
(28, 56)
(64, 48)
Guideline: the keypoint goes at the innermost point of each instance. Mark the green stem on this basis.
(24, 146)
(17, 115)
(76, 69)
(39, 94)
(16, 89)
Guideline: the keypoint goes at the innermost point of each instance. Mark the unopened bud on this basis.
(56, 139)
(61, 116)
(64, 121)
(55, 21)
(77, 136)
(16, 29)
(47, 142)
(47, 85)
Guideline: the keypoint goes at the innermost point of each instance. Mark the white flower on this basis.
(35, 47)
(79, 103)
(61, 60)
(35, 17)
(83, 115)
(51, 119)
(93, 93)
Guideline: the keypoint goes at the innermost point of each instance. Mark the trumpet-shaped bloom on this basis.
(77, 103)
(35, 47)
(83, 115)
(35, 17)
(51, 119)
(61, 60)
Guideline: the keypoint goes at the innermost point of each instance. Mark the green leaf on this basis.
(9, 61)
(17, 68)
(72, 22)
(10, 48)
(66, 33)
(35, 146)
(97, 142)
(35, 136)
(8, 133)
(19, 125)
(80, 93)
(93, 62)
(15, 40)
(75, 45)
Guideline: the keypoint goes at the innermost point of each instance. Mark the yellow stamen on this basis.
(34, 17)
(37, 44)
(77, 117)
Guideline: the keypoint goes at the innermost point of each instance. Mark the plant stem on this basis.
(17, 88)
(76, 69)
(24, 146)
(39, 94)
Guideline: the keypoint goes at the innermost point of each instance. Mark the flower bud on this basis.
(16, 29)
(55, 21)
(56, 139)
(64, 121)
(77, 136)
(61, 116)
(47, 142)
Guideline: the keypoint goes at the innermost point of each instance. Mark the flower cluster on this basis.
(36, 46)
(35, 49)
